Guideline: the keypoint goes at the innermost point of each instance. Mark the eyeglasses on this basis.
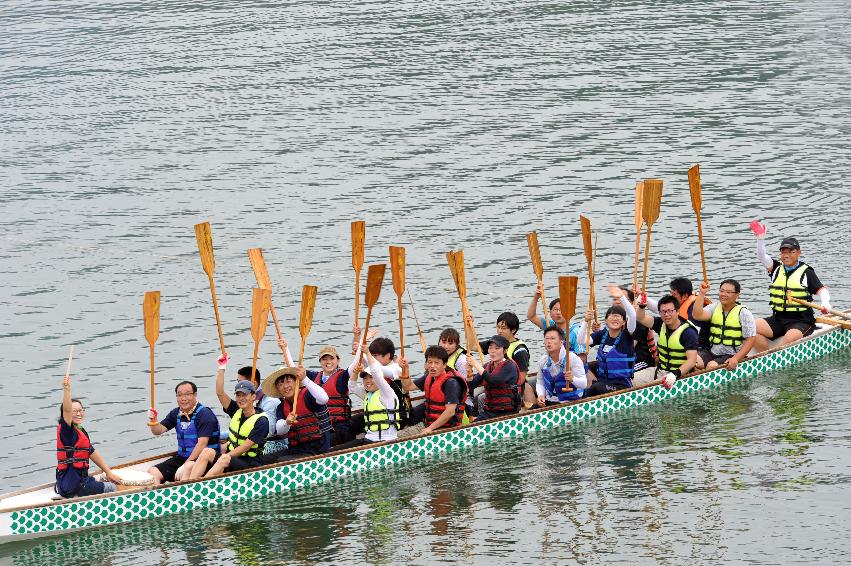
(77, 411)
(727, 291)
(179, 395)
(667, 311)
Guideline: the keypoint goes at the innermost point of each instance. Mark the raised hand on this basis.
(223, 360)
(704, 288)
(758, 229)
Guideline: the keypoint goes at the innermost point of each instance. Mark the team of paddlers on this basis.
(295, 412)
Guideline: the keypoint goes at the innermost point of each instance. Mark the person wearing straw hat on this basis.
(196, 427)
(500, 377)
(789, 321)
(247, 431)
(308, 427)
(380, 405)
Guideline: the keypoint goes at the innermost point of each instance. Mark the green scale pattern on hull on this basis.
(200, 495)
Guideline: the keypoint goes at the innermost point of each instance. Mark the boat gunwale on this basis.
(819, 333)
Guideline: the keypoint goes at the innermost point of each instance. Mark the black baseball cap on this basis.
(791, 243)
(499, 341)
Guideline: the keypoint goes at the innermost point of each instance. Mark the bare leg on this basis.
(791, 335)
(763, 335)
(712, 365)
(700, 365)
(219, 466)
(200, 466)
(158, 477)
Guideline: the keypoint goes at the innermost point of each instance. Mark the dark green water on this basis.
(443, 125)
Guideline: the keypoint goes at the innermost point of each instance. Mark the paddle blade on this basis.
(308, 302)
(260, 301)
(586, 239)
(535, 253)
(358, 243)
(205, 247)
(652, 200)
(258, 264)
(151, 314)
(567, 286)
(639, 205)
(374, 279)
(450, 260)
(397, 269)
(460, 276)
(694, 187)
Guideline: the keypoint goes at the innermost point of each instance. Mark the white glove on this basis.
(223, 361)
(669, 380)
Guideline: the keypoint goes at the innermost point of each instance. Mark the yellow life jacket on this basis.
(672, 354)
(237, 436)
(376, 416)
(726, 329)
(509, 353)
(781, 283)
(459, 351)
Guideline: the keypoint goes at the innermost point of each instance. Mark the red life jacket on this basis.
(306, 429)
(503, 397)
(339, 405)
(435, 399)
(76, 456)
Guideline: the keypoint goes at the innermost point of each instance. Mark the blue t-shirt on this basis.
(205, 421)
(68, 482)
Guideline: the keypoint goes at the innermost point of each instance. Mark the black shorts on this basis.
(707, 356)
(169, 467)
(781, 325)
(238, 463)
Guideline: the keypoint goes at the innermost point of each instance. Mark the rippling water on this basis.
(443, 126)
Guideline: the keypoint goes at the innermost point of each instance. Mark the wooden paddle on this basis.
(358, 243)
(639, 222)
(834, 312)
(261, 273)
(397, 270)
(650, 211)
(151, 315)
(567, 286)
(589, 258)
(70, 357)
(374, 279)
(846, 324)
(456, 267)
(208, 262)
(305, 321)
(260, 305)
(696, 204)
(416, 320)
(538, 267)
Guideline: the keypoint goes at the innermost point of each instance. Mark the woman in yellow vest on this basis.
(788, 321)
(380, 405)
(732, 329)
(678, 340)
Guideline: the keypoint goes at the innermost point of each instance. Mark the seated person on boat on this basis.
(196, 428)
(382, 418)
(615, 361)
(789, 321)
(247, 430)
(445, 391)
(644, 371)
(384, 351)
(500, 377)
(732, 329)
(308, 426)
(678, 339)
(507, 326)
(450, 340)
(74, 449)
(555, 319)
(269, 406)
(556, 381)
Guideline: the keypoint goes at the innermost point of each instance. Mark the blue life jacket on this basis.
(614, 365)
(554, 384)
(187, 435)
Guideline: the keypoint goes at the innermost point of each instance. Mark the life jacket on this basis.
(435, 399)
(376, 416)
(614, 365)
(307, 427)
(726, 329)
(555, 385)
(683, 312)
(502, 397)
(76, 456)
(339, 404)
(237, 436)
(453, 357)
(509, 354)
(781, 283)
(671, 352)
(187, 436)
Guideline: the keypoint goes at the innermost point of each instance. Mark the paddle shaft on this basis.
(846, 324)
(357, 296)
(646, 258)
(216, 310)
(152, 380)
(543, 302)
(700, 239)
(254, 362)
(278, 331)
(405, 372)
(419, 330)
(818, 307)
(637, 255)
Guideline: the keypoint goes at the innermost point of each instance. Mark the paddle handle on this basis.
(700, 239)
(568, 377)
(254, 363)
(153, 405)
(818, 307)
(216, 310)
(278, 331)
(637, 255)
(543, 302)
(466, 312)
(357, 297)
(646, 258)
(405, 371)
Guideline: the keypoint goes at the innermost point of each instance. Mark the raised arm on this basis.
(220, 380)
(66, 399)
(698, 312)
(316, 390)
(532, 311)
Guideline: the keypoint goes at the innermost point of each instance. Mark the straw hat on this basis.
(269, 388)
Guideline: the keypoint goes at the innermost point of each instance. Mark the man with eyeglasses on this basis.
(678, 339)
(789, 321)
(196, 427)
(732, 329)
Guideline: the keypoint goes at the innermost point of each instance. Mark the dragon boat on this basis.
(35, 512)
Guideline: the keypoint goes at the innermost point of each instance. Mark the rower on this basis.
(644, 371)
(616, 356)
(74, 449)
(196, 427)
(682, 290)
(788, 321)
(732, 329)
(553, 367)
(500, 377)
(247, 430)
(450, 341)
(306, 427)
(678, 339)
(380, 405)
(269, 406)
(555, 319)
(507, 325)
(445, 391)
